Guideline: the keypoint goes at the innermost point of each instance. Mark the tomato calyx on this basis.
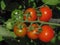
(20, 27)
(33, 32)
(30, 14)
(39, 30)
(33, 26)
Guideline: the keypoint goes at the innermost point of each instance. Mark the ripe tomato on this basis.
(32, 14)
(33, 33)
(20, 29)
(47, 33)
(46, 13)
(35, 25)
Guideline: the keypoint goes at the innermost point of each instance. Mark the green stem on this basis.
(56, 24)
(50, 23)
(27, 15)
(30, 27)
(39, 13)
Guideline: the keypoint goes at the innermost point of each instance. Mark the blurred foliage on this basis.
(51, 2)
(3, 5)
(1, 38)
(6, 33)
(59, 35)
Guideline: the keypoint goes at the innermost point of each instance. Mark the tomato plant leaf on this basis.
(12, 34)
(9, 24)
(3, 5)
(51, 2)
(5, 32)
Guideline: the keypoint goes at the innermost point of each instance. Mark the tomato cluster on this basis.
(44, 33)
(46, 14)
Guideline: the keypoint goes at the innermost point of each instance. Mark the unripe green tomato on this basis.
(17, 14)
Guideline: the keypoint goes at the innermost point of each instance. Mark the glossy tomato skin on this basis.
(32, 14)
(33, 34)
(47, 33)
(20, 32)
(46, 13)
(35, 25)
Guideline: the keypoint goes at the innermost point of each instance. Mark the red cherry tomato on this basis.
(46, 13)
(20, 29)
(32, 14)
(47, 33)
(35, 25)
(33, 34)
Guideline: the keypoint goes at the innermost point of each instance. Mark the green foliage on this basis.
(59, 36)
(20, 7)
(53, 40)
(58, 8)
(9, 24)
(12, 34)
(53, 26)
(51, 2)
(6, 33)
(3, 5)
(32, 0)
(34, 5)
(1, 38)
